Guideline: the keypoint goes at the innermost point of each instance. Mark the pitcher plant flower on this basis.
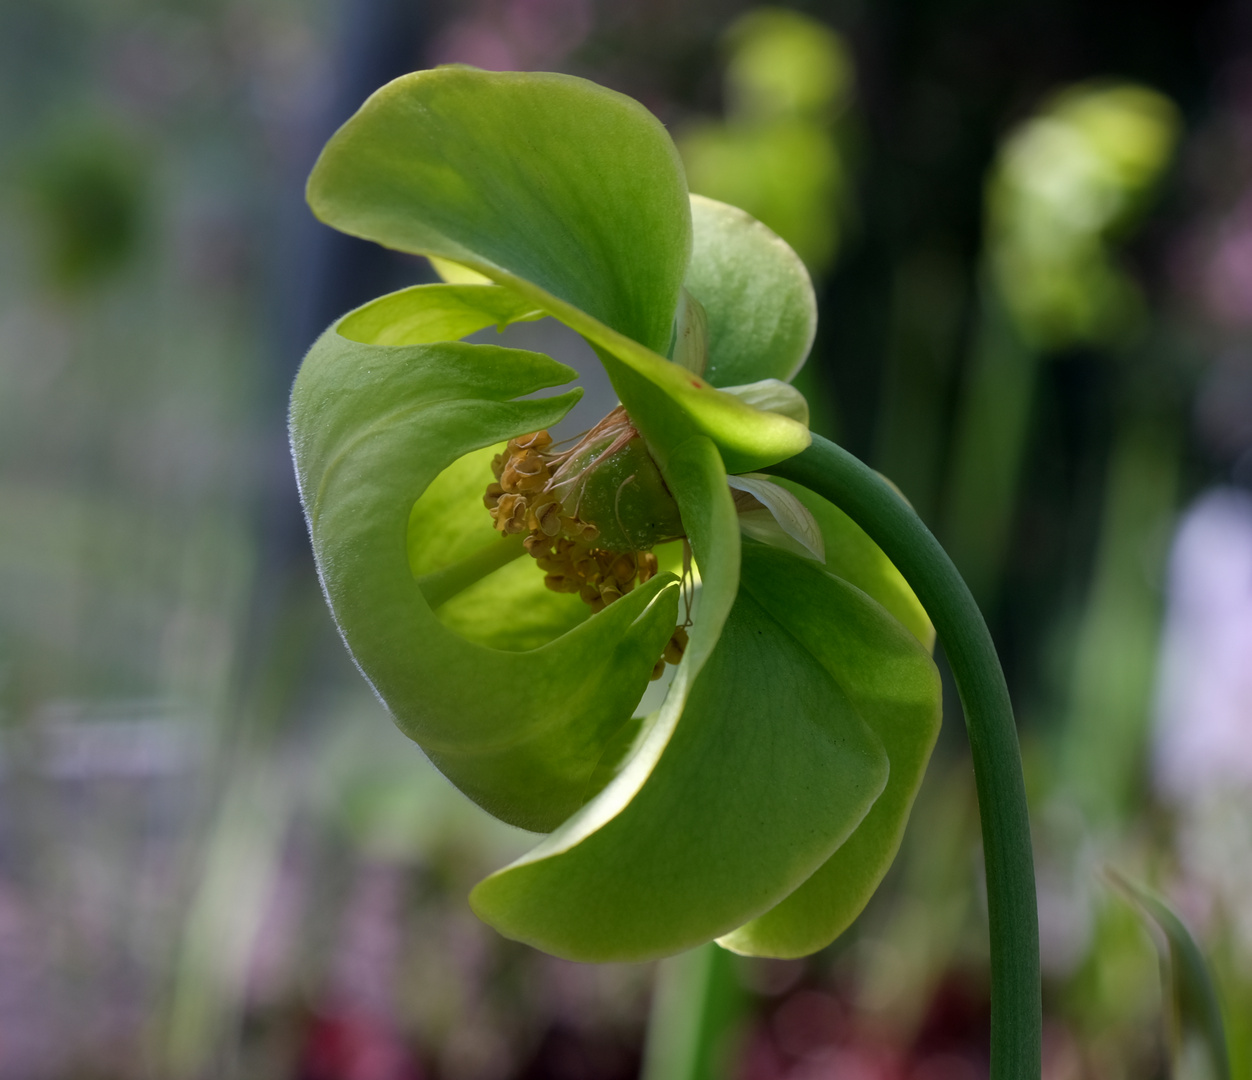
(510, 597)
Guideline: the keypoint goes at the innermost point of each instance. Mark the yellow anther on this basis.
(536, 440)
(623, 569)
(548, 517)
(675, 647)
(538, 546)
(525, 472)
(562, 544)
(510, 514)
(561, 584)
(492, 496)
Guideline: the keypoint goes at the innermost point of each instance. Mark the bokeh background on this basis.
(1030, 224)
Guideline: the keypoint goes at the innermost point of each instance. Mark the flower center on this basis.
(591, 513)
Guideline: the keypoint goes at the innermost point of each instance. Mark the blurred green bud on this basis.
(788, 81)
(1066, 185)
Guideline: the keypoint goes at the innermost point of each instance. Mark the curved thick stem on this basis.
(1016, 1010)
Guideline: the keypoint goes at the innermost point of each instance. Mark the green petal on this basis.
(853, 556)
(510, 608)
(750, 776)
(428, 313)
(553, 180)
(372, 427)
(756, 293)
(767, 771)
(892, 683)
(568, 194)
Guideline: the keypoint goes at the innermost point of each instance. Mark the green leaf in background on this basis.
(777, 152)
(1067, 184)
(1196, 1028)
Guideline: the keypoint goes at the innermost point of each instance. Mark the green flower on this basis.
(763, 802)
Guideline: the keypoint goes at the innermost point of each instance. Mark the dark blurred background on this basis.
(1030, 224)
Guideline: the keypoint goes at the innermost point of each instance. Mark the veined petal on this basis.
(568, 194)
(892, 683)
(372, 427)
(752, 774)
(787, 515)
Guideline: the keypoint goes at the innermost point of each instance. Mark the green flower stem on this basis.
(1016, 1008)
(696, 1009)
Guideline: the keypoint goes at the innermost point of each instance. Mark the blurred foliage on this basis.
(1197, 1034)
(777, 154)
(88, 193)
(1066, 184)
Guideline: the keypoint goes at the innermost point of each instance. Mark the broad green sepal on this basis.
(712, 837)
(372, 428)
(594, 230)
(891, 682)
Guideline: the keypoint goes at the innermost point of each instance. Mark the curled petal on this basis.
(372, 428)
(773, 395)
(785, 518)
(429, 313)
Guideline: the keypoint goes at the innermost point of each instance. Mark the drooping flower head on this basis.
(762, 803)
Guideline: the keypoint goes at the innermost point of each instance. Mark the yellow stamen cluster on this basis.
(521, 501)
